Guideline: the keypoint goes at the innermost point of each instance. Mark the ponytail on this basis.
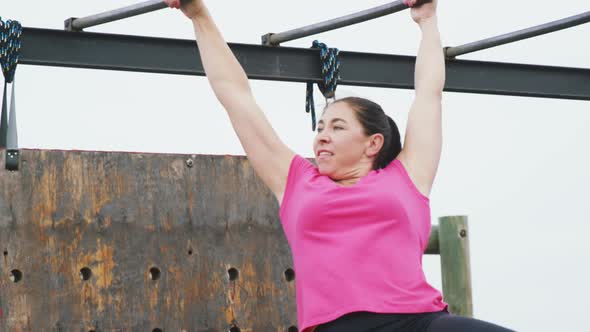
(391, 146)
(395, 144)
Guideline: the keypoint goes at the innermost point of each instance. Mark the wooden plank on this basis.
(121, 214)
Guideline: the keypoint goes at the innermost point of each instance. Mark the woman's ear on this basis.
(375, 144)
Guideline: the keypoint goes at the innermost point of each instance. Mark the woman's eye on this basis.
(321, 129)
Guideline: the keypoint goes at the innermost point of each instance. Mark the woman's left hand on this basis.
(423, 12)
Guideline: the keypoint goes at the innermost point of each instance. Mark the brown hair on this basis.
(375, 121)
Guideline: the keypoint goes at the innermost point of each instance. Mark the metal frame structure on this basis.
(174, 56)
(158, 55)
(73, 48)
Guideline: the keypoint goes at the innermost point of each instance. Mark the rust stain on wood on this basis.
(119, 214)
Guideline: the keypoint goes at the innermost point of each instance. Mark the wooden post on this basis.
(456, 270)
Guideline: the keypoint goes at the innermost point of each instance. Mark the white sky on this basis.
(518, 167)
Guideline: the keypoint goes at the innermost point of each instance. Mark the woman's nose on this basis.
(323, 137)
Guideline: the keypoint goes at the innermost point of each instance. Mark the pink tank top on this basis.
(359, 247)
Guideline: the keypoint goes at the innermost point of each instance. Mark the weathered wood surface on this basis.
(120, 214)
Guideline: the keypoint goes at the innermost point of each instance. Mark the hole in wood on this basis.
(154, 273)
(234, 328)
(157, 330)
(289, 274)
(85, 273)
(292, 328)
(16, 275)
(233, 274)
(5, 253)
(190, 251)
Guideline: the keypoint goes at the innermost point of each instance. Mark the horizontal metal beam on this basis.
(539, 30)
(173, 56)
(340, 22)
(78, 24)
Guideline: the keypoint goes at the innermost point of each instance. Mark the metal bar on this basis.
(116, 14)
(173, 56)
(519, 35)
(455, 265)
(365, 15)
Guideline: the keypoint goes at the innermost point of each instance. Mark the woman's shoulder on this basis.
(300, 169)
(400, 167)
(300, 163)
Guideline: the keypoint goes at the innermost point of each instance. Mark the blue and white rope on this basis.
(330, 63)
(10, 44)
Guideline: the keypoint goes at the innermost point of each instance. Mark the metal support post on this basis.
(565, 23)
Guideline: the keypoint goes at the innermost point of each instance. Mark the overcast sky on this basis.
(518, 167)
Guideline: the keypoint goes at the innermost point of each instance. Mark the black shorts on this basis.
(441, 321)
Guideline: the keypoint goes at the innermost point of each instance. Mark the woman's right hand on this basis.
(422, 10)
(190, 8)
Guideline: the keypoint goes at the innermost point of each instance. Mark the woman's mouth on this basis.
(323, 154)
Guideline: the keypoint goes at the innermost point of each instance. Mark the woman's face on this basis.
(341, 148)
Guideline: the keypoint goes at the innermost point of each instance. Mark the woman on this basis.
(342, 217)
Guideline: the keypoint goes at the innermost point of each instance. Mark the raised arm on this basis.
(423, 141)
(269, 156)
